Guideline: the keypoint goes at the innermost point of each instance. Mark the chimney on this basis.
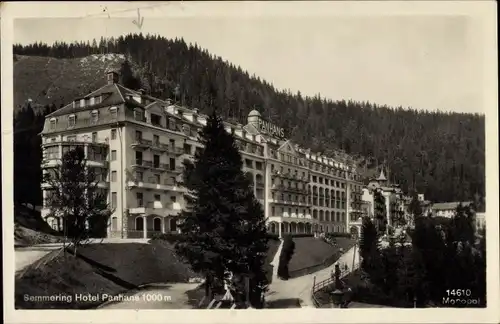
(112, 77)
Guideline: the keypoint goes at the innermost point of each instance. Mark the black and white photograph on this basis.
(260, 157)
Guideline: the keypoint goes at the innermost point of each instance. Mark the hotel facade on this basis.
(137, 143)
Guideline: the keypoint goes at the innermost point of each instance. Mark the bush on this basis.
(348, 235)
(168, 237)
(285, 257)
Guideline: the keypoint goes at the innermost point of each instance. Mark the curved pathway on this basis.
(301, 287)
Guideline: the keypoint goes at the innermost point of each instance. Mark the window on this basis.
(139, 115)
(94, 137)
(139, 176)
(72, 121)
(113, 176)
(173, 224)
(172, 164)
(172, 143)
(156, 161)
(138, 135)
(138, 157)
(187, 149)
(157, 178)
(113, 200)
(94, 116)
(248, 163)
(173, 199)
(113, 155)
(71, 138)
(112, 111)
(114, 223)
(155, 120)
(139, 224)
(157, 197)
(258, 165)
(140, 199)
(113, 134)
(156, 140)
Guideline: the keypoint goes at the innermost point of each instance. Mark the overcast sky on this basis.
(426, 62)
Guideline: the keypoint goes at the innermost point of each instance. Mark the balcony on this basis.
(141, 143)
(175, 150)
(152, 183)
(259, 184)
(175, 170)
(143, 164)
(156, 208)
(52, 162)
(80, 141)
(159, 147)
(162, 167)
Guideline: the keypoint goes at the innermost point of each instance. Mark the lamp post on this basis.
(338, 293)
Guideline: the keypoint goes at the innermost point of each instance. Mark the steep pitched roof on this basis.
(449, 205)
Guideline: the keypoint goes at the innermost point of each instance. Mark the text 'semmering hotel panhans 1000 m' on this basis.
(137, 144)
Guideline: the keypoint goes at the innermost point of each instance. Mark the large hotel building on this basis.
(137, 144)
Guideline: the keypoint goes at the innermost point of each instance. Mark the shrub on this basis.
(285, 257)
(168, 237)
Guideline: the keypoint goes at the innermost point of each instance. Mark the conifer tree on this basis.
(380, 212)
(224, 225)
(369, 251)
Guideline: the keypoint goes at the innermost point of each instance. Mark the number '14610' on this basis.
(459, 292)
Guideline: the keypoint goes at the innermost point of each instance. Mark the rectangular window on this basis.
(157, 178)
(113, 155)
(140, 199)
(172, 143)
(72, 121)
(258, 165)
(156, 140)
(113, 176)
(139, 176)
(71, 138)
(173, 199)
(172, 164)
(156, 161)
(94, 137)
(113, 112)
(187, 149)
(157, 197)
(138, 157)
(138, 135)
(94, 117)
(113, 134)
(113, 200)
(155, 120)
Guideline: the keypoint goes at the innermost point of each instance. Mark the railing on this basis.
(317, 286)
(143, 163)
(143, 142)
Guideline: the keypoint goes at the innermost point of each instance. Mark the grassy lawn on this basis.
(310, 251)
(61, 277)
(139, 264)
(104, 268)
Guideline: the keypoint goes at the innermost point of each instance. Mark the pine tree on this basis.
(224, 225)
(75, 198)
(369, 251)
(380, 212)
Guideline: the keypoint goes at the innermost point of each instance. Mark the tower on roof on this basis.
(253, 117)
(381, 177)
(112, 76)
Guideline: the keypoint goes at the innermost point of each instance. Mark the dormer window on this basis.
(71, 120)
(53, 123)
(171, 123)
(113, 112)
(98, 100)
(139, 115)
(76, 104)
(94, 116)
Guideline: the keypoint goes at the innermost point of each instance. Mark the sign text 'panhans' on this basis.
(271, 129)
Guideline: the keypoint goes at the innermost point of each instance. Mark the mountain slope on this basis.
(47, 80)
(439, 154)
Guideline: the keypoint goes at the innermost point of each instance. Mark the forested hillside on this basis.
(441, 154)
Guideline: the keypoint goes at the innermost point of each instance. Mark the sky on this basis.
(423, 62)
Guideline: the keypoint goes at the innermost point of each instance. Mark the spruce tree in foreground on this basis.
(75, 198)
(224, 225)
(380, 212)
